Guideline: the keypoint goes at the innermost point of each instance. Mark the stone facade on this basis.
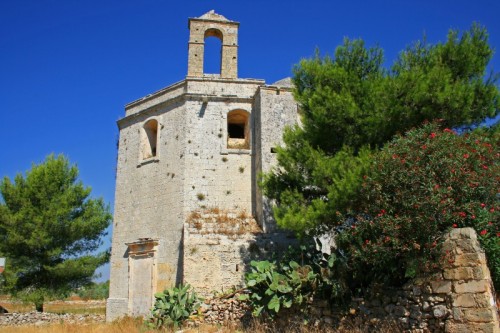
(194, 146)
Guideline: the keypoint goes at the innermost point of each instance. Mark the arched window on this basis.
(238, 130)
(149, 139)
(212, 61)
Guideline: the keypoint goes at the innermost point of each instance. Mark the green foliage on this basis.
(421, 185)
(273, 286)
(350, 106)
(94, 291)
(49, 229)
(173, 306)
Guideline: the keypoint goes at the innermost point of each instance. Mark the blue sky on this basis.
(68, 67)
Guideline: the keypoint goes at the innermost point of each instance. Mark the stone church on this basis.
(187, 206)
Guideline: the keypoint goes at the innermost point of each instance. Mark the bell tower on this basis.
(212, 24)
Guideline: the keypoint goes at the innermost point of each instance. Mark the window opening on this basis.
(150, 138)
(212, 61)
(238, 133)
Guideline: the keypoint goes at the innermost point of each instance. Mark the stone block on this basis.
(440, 311)
(463, 233)
(453, 327)
(467, 246)
(473, 286)
(417, 314)
(484, 300)
(404, 322)
(457, 314)
(484, 315)
(469, 259)
(401, 311)
(441, 287)
(481, 272)
(464, 301)
(460, 273)
(426, 306)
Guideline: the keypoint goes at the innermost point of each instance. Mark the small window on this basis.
(149, 139)
(238, 131)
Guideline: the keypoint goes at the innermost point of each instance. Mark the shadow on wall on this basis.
(266, 246)
(179, 276)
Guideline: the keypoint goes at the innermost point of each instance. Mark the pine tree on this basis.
(351, 105)
(50, 229)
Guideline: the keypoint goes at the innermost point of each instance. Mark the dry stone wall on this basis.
(45, 318)
(460, 298)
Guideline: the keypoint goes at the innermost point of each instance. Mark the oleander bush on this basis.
(421, 185)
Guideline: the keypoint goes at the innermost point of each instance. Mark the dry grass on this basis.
(131, 325)
(75, 307)
(135, 325)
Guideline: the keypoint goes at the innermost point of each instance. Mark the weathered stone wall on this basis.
(274, 110)
(472, 296)
(215, 25)
(218, 248)
(188, 166)
(148, 200)
(216, 176)
(460, 298)
(45, 318)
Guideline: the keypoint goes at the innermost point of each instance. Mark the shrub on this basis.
(275, 287)
(94, 291)
(421, 185)
(173, 306)
(284, 283)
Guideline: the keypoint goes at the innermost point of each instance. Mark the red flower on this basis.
(473, 217)
(483, 205)
(447, 130)
(367, 241)
(462, 214)
(455, 225)
(483, 232)
(466, 155)
(498, 234)
(432, 135)
(485, 167)
(424, 147)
